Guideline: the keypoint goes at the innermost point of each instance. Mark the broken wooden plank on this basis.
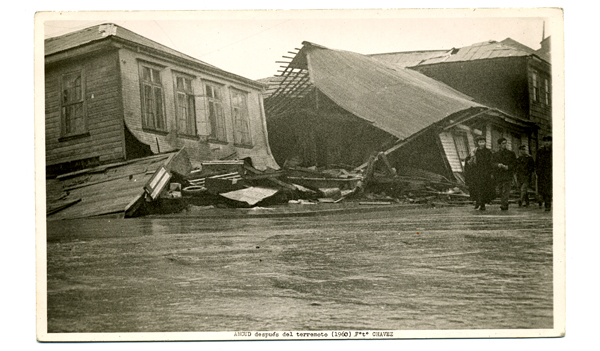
(272, 180)
(73, 187)
(134, 205)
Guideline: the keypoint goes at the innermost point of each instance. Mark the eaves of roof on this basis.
(106, 32)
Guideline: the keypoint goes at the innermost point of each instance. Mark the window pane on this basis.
(179, 83)
(461, 143)
(159, 108)
(149, 106)
(146, 74)
(156, 76)
(191, 115)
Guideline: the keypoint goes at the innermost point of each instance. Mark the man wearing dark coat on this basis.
(504, 162)
(479, 166)
(525, 168)
(544, 172)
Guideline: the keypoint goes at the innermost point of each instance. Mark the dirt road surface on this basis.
(449, 268)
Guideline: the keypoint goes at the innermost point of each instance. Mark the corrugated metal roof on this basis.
(485, 50)
(398, 101)
(479, 51)
(409, 59)
(107, 30)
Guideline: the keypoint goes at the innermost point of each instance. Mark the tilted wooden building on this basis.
(333, 107)
(113, 95)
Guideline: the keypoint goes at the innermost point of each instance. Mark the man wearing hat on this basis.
(544, 172)
(525, 167)
(479, 165)
(503, 163)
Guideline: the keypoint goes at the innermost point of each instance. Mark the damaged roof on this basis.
(479, 51)
(398, 101)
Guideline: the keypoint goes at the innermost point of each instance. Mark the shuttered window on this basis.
(72, 104)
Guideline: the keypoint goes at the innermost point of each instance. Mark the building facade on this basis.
(113, 95)
(506, 75)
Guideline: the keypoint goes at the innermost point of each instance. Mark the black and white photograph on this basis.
(300, 174)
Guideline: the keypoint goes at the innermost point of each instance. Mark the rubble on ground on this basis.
(170, 184)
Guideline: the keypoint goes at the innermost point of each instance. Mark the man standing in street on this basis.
(479, 165)
(503, 163)
(525, 168)
(544, 172)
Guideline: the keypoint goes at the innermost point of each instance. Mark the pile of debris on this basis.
(170, 183)
(236, 183)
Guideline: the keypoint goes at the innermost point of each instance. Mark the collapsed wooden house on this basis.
(112, 95)
(331, 107)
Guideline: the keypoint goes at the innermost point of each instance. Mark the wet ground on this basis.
(449, 268)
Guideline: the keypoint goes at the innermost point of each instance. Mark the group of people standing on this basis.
(486, 171)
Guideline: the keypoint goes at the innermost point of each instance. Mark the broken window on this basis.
(241, 123)
(186, 111)
(72, 104)
(215, 112)
(153, 116)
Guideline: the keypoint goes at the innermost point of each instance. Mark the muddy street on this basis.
(448, 268)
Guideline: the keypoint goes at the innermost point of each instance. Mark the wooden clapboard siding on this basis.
(104, 118)
(200, 147)
(450, 151)
(76, 152)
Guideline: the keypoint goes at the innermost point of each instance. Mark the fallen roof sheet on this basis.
(251, 196)
(398, 101)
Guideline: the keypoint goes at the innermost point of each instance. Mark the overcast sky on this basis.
(249, 42)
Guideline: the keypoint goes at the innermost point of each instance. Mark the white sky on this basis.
(249, 42)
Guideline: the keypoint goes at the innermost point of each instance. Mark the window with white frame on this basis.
(185, 106)
(216, 117)
(72, 104)
(153, 115)
(241, 122)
